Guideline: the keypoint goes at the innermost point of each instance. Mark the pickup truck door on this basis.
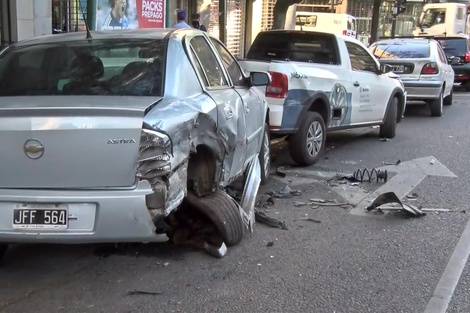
(370, 93)
(231, 112)
(252, 103)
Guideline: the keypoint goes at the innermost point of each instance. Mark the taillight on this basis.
(345, 32)
(155, 151)
(467, 57)
(430, 69)
(279, 85)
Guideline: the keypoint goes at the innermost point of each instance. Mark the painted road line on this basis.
(408, 175)
(446, 286)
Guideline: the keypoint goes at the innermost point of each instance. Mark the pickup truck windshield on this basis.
(433, 17)
(98, 67)
(295, 46)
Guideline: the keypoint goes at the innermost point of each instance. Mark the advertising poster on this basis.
(129, 14)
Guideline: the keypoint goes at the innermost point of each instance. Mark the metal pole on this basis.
(375, 21)
(333, 6)
(394, 21)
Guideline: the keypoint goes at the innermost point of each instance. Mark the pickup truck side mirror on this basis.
(260, 78)
(456, 60)
(385, 68)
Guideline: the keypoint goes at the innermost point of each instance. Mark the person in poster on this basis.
(116, 19)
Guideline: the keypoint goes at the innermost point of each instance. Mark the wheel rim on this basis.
(314, 139)
(267, 153)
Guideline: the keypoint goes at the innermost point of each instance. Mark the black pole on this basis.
(222, 20)
(374, 27)
(10, 40)
(394, 24)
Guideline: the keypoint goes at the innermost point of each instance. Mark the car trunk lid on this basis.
(58, 142)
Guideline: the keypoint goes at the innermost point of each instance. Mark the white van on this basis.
(340, 24)
(443, 19)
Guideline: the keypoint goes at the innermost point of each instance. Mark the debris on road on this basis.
(321, 202)
(388, 163)
(270, 244)
(310, 220)
(300, 204)
(384, 139)
(412, 196)
(280, 171)
(218, 251)
(264, 201)
(140, 292)
(391, 197)
(369, 175)
(262, 218)
(286, 192)
(434, 210)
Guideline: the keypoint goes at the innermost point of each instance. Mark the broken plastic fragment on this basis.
(391, 197)
(432, 161)
(218, 251)
(262, 218)
(286, 192)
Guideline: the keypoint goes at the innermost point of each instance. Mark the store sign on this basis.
(129, 14)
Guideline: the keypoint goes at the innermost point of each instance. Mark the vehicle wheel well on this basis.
(267, 116)
(320, 106)
(401, 107)
(201, 171)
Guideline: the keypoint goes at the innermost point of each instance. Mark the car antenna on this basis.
(88, 32)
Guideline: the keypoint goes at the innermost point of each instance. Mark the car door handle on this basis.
(356, 84)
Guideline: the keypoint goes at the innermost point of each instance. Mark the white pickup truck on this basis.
(322, 82)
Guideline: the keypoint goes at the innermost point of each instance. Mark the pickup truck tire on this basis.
(265, 155)
(448, 99)
(223, 212)
(436, 105)
(389, 128)
(307, 145)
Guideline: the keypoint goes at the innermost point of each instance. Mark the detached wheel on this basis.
(448, 99)
(389, 128)
(307, 145)
(437, 106)
(265, 155)
(223, 213)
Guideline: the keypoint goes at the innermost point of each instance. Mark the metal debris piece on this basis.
(299, 204)
(321, 202)
(391, 197)
(384, 139)
(412, 196)
(270, 244)
(432, 161)
(434, 210)
(311, 220)
(280, 171)
(369, 175)
(140, 292)
(388, 163)
(264, 201)
(286, 192)
(218, 251)
(262, 218)
(318, 200)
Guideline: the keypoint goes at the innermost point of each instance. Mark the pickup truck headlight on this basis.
(154, 154)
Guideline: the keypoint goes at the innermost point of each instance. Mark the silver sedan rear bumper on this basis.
(419, 90)
(94, 216)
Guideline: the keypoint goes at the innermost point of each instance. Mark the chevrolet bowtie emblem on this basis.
(33, 149)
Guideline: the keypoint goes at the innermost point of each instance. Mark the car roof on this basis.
(148, 33)
(423, 41)
(453, 36)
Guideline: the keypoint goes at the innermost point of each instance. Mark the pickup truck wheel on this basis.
(448, 99)
(436, 106)
(307, 145)
(389, 128)
(223, 212)
(265, 156)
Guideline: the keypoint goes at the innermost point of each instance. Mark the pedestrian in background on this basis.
(196, 24)
(181, 20)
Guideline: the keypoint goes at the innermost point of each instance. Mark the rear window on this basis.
(454, 46)
(401, 51)
(295, 46)
(97, 67)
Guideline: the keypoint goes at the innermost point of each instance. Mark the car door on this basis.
(253, 104)
(371, 91)
(231, 112)
(448, 70)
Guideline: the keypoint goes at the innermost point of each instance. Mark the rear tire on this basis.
(448, 99)
(307, 145)
(389, 128)
(223, 213)
(265, 155)
(437, 106)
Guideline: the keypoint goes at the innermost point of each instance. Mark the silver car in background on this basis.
(105, 137)
(422, 66)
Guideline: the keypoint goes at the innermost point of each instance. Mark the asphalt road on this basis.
(347, 263)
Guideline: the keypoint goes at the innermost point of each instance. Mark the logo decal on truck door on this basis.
(338, 105)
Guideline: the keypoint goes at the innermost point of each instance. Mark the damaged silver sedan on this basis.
(105, 138)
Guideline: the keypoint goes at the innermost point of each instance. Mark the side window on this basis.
(360, 59)
(198, 65)
(210, 66)
(230, 64)
(32, 59)
(442, 56)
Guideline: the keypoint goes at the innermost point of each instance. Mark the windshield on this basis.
(306, 20)
(97, 67)
(433, 17)
(401, 51)
(454, 46)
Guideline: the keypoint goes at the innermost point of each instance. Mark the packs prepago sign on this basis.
(128, 14)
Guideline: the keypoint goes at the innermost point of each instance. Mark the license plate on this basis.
(40, 216)
(398, 69)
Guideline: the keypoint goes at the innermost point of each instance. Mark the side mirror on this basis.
(260, 78)
(385, 68)
(456, 60)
